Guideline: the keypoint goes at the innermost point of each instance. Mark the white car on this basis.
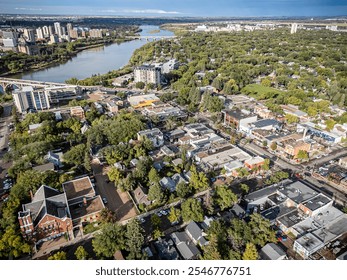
(104, 200)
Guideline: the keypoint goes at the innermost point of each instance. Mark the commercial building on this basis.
(298, 209)
(147, 74)
(77, 112)
(309, 128)
(139, 101)
(41, 97)
(163, 111)
(238, 118)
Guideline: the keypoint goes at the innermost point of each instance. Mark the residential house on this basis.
(154, 135)
(196, 234)
(55, 158)
(141, 196)
(187, 249)
(77, 112)
(44, 167)
(166, 249)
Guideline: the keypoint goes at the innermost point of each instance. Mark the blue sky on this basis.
(178, 7)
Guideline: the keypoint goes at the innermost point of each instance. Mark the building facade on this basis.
(147, 75)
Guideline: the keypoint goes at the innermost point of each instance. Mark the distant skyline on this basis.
(187, 8)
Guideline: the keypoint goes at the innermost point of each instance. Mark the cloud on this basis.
(145, 11)
(28, 9)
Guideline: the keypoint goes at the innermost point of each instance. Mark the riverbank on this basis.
(42, 65)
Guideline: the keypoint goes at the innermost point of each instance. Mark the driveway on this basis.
(117, 201)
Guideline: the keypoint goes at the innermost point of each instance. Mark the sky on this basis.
(186, 8)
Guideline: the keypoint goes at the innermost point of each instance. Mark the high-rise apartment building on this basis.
(294, 28)
(147, 74)
(57, 29)
(39, 33)
(29, 35)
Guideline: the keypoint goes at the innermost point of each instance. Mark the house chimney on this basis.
(84, 201)
(31, 195)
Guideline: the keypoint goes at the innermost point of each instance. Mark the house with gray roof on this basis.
(47, 215)
(196, 234)
(272, 251)
(166, 249)
(185, 246)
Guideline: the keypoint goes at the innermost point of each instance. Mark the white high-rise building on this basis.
(39, 33)
(46, 32)
(147, 74)
(57, 29)
(294, 28)
(29, 35)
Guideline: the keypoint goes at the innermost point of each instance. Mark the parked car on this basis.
(104, 200)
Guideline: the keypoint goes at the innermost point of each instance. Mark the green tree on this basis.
(302, 154)
(266, 165)
(266, 82)
(115, 175)
(224, 197)
(86, 163)
(250, 252)
(330, 123)
(140, 85)
(261, 230)
(109, 240)
(244, 188)
(199, 180)
(155, 193)
(175, 215)
(75, 155)
(183, 189)
(192, 210)
(81, 253)
(210, 251)
(134, 240)
(12, 244)
(58, 256)
(156, 232)
(291, 118)
(153, 176)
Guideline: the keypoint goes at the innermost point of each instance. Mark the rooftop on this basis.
(78, 188)
(298, 192)
(166, 249)
(291, 219)
(265, 122)
(272, 251)
(185, 246)
(239, 114)
(80, 210)
(317, 202)
(44, 167)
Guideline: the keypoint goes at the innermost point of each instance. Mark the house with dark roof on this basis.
(166, 249)
(47, 215)
(44, 167)
(185, 246)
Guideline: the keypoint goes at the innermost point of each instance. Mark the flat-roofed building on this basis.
(77, 112)
(138, 101)
(154, 135)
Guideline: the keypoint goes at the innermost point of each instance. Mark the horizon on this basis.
(179, 8)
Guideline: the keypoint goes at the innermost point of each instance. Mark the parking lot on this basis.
(117, 201)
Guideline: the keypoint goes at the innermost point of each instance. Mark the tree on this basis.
(224, 197)
(12, 244)
(86, 163)
(175, 215)
(140, 85)
(211, 250)
(183, 189)
(115, 175)
(156, 232)
(155, 193)
(273, 146)
(192, 210)
(134, 240)
(58, 256)
(266, 82)
(153, 176)
(81, 253)
(109, 240)
(302, 154)
(330, 123)
(291, 118)
(266, 165)
(75, 155)
(199, 180)
(261, 230)
(244, 188)
(250, 252)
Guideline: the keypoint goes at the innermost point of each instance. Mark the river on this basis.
(98, 60)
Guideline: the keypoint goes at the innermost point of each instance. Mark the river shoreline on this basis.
(46, 65)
